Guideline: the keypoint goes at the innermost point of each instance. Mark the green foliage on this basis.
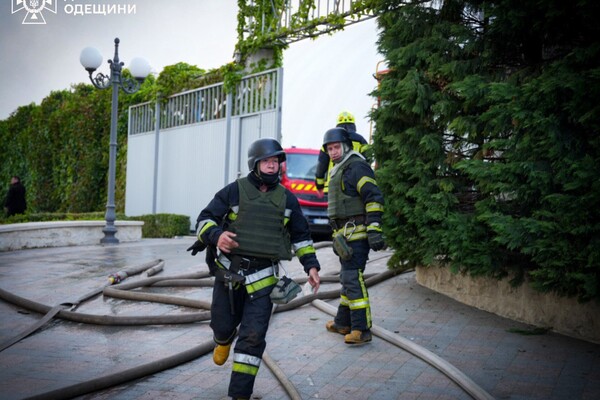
(60, 216)
(487, 139)
(155, 225)
(164, 225)
(260, 25)
(178, 78)
(60, 148)
(250, 16)
(232, 75)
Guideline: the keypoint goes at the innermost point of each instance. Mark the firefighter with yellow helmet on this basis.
(355, 208)
(346, 121)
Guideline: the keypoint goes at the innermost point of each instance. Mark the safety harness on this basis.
(257, 275)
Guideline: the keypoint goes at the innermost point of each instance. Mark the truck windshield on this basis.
(301, 166)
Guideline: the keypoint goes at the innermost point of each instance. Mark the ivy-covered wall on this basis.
(59, 148)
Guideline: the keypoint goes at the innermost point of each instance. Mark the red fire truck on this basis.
(298, 175)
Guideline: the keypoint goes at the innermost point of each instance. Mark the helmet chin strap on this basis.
(267, 179)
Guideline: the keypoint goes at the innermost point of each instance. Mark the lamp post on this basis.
(91, 59)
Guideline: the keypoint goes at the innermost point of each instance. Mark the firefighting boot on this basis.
(221, 353)
(335, 328)
(358, 337)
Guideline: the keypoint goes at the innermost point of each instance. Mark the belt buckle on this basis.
(245, 264)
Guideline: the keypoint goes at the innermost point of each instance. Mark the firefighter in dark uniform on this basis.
(355, 208)
(324, 164)
(249, 226)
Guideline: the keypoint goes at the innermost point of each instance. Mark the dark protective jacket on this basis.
(354, 178)
(15, 201)
(224, 209)
(357, 207)
(340, 204)
(324, 164)
(240, 207)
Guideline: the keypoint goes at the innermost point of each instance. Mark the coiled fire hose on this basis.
(193, 280)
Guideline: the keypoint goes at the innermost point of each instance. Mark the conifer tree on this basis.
(487, 138)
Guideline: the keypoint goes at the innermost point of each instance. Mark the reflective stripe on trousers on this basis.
(355, 309)
(246, 364)
(252, 316)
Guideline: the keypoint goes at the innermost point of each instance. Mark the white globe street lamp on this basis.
(91, 59)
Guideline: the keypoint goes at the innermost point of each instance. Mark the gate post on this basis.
(156, 143)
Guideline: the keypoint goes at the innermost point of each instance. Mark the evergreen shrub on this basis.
(487, 139)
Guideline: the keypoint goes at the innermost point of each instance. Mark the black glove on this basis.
(376, 241)
(197, 247)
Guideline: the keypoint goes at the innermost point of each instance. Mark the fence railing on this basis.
(256, 93)
(253, 94)
(296, 22)
(141, 118)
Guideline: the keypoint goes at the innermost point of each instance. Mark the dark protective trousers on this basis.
(253, 317)
(354, 309)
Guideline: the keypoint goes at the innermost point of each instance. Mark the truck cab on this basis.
(298, 175)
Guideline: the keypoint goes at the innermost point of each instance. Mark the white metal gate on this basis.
(199, 142)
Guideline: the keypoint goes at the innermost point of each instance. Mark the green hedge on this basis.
(58, 216)
(164, 225)
(155, 225)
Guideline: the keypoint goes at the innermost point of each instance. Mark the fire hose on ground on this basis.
(200, 279)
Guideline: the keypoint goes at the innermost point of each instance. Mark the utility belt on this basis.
(340, 223)
(256, 274)
(347, 230)
(246, 264)
(243, 265)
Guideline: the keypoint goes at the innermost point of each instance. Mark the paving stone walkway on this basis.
(483, 346)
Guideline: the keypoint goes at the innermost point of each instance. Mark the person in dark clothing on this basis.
(15, 202)
(249, 226)
(346, 121)
(355, 208)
